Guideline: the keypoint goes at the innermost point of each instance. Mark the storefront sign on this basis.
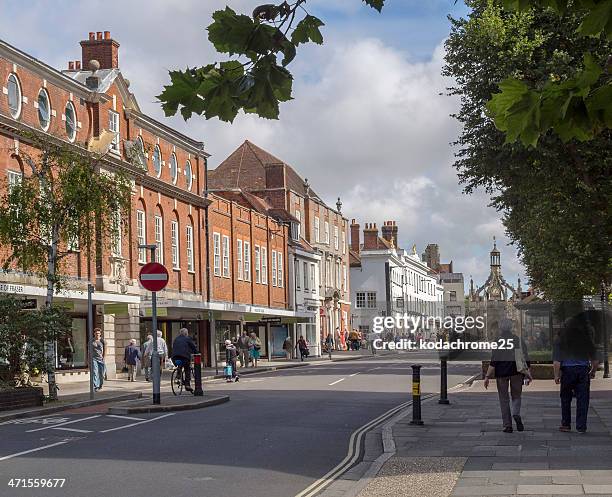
(161, 311)
(270, 320)
(115, 308)
(10, 288)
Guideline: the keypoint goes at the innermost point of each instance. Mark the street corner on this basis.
(168, 404)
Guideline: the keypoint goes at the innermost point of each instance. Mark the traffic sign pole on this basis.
(155, 355)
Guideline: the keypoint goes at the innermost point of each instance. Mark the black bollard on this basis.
(197, 373)
(416, 395)
(443, 381)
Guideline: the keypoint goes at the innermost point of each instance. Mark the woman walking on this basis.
(510, 366)
(303, 347)
(254, 348)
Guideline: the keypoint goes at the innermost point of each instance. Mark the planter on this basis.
(539, 371)
(19, 398)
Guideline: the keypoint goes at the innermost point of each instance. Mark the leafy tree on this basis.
(23, 334)
(555, 198)
(65, 201)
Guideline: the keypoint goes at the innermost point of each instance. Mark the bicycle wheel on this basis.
(176, 380)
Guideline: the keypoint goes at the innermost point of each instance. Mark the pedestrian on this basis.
(182, 348)
(231, 355)
(97, 356)
(575, 363)
(162, 350)
(243, 350)
(147, 348)
(329, 344)
(510, 365)
(254, 348)
(131, 354)
(343, 338)
(287, 347)
(302, 346)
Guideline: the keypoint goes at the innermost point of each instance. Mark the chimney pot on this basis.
(107, 35)
(92, 35)
(98, 35)
(77, 65)
(71, 66)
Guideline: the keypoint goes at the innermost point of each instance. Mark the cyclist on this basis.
(182, 348)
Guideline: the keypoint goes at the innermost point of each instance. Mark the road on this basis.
(280, 432)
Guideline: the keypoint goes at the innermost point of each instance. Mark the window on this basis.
(297, 274)
(316, 230)
(113, 126)
(189, 241)
(337, 282)
(71, 122)
(141, 230)
(295, 230)
(452, 296)
(239, 259)
(360, 300)
(226, 257)
(117, 242)
(174, 232)
(328, 273)
(14, 95)
(279, 276)
(344, 276)
(44, 109)
(306, 277)
(14, 179)
(327, 232)
(217, 254)
(257, 264)
(188, 175)
(336, 242)
(173, 168)
(274, 268)
(343, 242)
(247, 260)
(159, 239)
(157, 160)
(298, 216)
(312, 277)
(371, 296)
(264, 265)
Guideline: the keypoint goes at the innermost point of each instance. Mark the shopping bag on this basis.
(227, 371)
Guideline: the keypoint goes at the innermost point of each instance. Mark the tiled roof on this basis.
(354, 259)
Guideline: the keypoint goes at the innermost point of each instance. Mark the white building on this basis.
(389, 281)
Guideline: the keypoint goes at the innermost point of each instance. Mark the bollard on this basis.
(416, 395)
(443, 381)
(197, 375)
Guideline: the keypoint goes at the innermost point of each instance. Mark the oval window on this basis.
(173, 168)
(44, 109)
(14, 95)
(157, 161)
(189, 175)
(71, 122)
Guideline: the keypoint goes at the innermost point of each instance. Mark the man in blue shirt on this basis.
(575, 363)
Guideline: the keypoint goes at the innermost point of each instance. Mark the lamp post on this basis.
(606, 337)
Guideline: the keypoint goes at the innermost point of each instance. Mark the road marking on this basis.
(374, 369)
(124, 417)
(71, 429)
(66, 423)
(337, 381)
(355, 374)
(139, 423)
(10, 456)
(39, 420)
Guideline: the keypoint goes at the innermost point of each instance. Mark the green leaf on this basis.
(375, 4)
(597, 19)
(308, 30)
(231, 33)
(289, 52)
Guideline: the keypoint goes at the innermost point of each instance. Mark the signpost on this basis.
(154, 277)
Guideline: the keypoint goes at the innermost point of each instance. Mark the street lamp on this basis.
(606, 337)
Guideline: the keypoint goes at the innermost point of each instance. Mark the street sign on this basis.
(153, 277)
(270, 320)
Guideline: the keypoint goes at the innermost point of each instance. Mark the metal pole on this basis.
(443, 381)
(416, 395)
(197, 373)
(90, 291)
(155, 365)
(606, 336)
(213, 337)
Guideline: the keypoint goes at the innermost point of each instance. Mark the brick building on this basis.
(323, 228)
(90, 105)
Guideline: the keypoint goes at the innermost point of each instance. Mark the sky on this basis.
(367, 124)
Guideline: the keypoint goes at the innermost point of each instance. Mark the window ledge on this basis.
(191, 271)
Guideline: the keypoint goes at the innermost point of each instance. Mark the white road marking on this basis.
(71, 429)
(124, 417)
(66, 423)
(355, 374)
(10, 456)
(374, 369)
(337, 381)
(139, 423)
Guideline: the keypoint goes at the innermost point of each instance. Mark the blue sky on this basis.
(367, 124)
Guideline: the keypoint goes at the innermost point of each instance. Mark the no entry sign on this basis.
(153, 276)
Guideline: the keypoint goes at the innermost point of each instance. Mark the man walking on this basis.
(98, 365)
(147, 349)
(182, 348)
(574, 364)
(243, 350)
(131, 354)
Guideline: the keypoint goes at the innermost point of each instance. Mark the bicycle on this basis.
(177, 379)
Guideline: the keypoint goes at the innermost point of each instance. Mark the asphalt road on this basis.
(280, 432)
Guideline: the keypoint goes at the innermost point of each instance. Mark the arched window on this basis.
(189, 243)
(71, 121)
(14, 95)
(159, 236)
(44, 109)
(157, 161)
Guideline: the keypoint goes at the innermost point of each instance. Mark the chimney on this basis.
(389, 232)
(102, 48)
(77, 65)
(70, 65)
(370, 237)
(354, 236)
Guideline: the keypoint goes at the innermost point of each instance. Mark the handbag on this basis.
(519, 358)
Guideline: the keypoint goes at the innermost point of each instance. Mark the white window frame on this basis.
(312, 277)
(159, 155)
(336, 239)
(344, 279)
(113, 126)
(44, 92)
(217, 253)
(189, 177)
(159, 239)
(257, 264)
(226, 256)
(317, 230)
(173, 166)
(306, 276)
(327, 232)
(239, 259)
(17, 113)
(189, 243)
(70, 105)
(274, 268)
(360, 300)
(141, 235)
(343, 242)
(298, 279)
(14, 178)
(371, 300)
(264, 265)
(298, 216)
(279, 270)
(247, 260)
(174, 235)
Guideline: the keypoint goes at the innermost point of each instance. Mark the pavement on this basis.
(461, 450)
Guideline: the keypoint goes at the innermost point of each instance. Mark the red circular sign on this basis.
(153, 276)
